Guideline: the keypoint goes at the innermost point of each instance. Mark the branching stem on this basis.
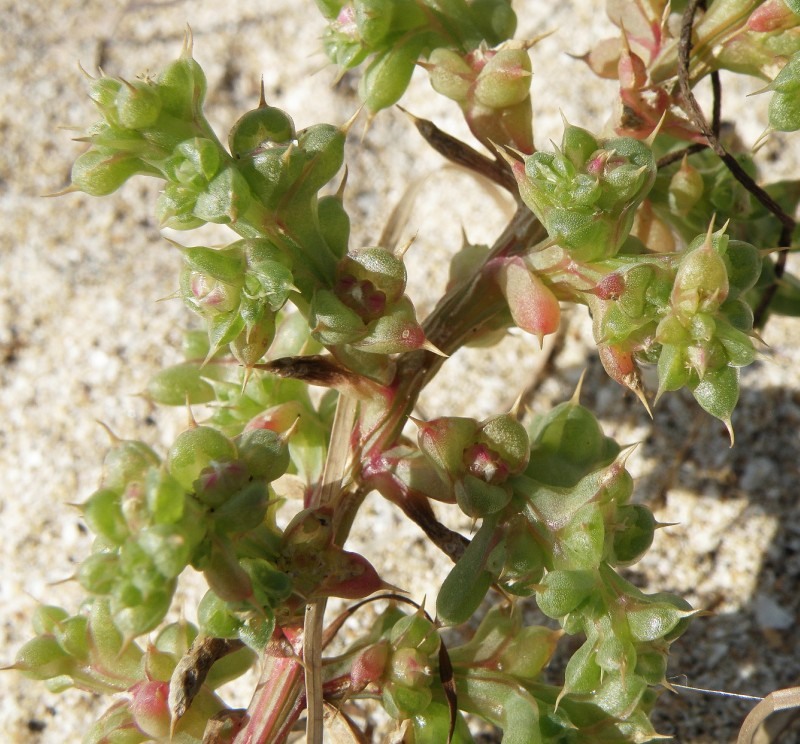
(692, 108)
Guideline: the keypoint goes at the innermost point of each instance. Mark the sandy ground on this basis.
(81, 332)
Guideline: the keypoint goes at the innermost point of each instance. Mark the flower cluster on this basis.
(687, 314)
(586, 193)
(393, 35)
(492, 87)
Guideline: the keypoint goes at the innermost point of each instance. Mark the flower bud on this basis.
(388, 75)
(196, 449)
(334, 223)
(477, 498)
(150, 708)
(175, 208)
(409, 667)
(505, 79)
(650, 620)
(685, 188)
(260, 128)
(402, 702)
(773, 15)
(215, 618)
(138, 104)
(225, 199)
(165, 496)
(567, 444)
(323, 147)
(193, 163)
(182, 87)
(100, 172)
(332, 321)
(444, 441)
(495, 19)
(219, 481)
(270, 586)
(588, 207)
(104, 517)
(254, 341)
(99, 572)
(47, 618)
(370, 665)
(373, 20)
(563, 591)
(701, 282)
(43, 658)
(377, 266)
(128, 461)
(244, 510)
(348, 576)
(450, 74)
(265, 454)
(104, 91)
(533, 305)
(718, 392)
(179, 385)
(394, 333)
(634, 527)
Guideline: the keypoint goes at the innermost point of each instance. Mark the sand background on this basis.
(81, 332)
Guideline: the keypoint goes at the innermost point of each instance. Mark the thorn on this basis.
(766, 89)
(348, 125)
(248, 371)
(576, 396)
(503, 152)
(86, 74)
(515, 408)
(625, 452)
(639, 393)
(262, 100)
(729, 426)
(401, 251)
(188, 42)
(710, 231)
(67, 190)
(174, 296)
(661, 525)
(652, 136)
(762, 139)
(534, 40)
(419, 423)
(286, 435)
(428, 346)
(192, 420)
(367, 125)
(340, 191)
(115, 440)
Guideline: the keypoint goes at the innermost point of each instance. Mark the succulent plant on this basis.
(290, 303)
